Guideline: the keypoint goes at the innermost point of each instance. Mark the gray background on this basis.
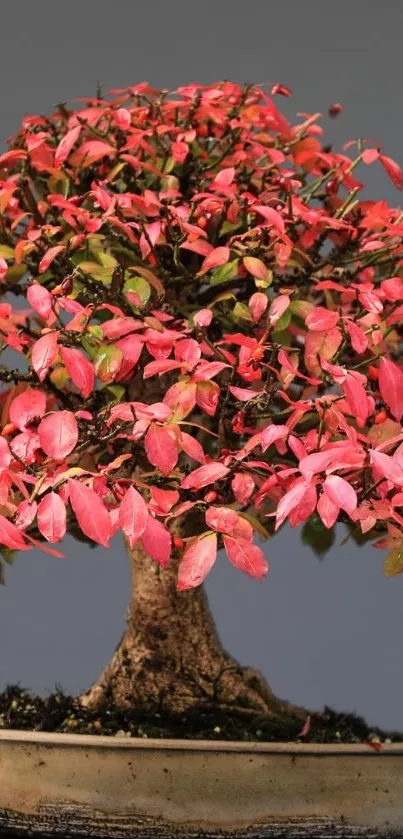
(322, 632)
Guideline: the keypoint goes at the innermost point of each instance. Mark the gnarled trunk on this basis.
(170, 659)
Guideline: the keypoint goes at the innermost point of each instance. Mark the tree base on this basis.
(135, 680)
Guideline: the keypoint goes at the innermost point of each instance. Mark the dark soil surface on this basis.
(20, 709)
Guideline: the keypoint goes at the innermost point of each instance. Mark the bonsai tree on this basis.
(207, 321)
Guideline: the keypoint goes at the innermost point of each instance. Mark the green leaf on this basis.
(225, 273)
(393, 563)
(256, 524)
(139, 286)
(241, 311)
(229, 227)
(107, 362)
(6, 252)
(317, 536)
(284, 321)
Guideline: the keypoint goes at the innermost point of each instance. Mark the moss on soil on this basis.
(20, 709)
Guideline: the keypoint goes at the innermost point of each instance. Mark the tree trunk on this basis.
(170, 659)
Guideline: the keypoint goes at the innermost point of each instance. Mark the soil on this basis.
(58, 712)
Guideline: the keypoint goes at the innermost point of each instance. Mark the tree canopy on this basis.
(207, 321)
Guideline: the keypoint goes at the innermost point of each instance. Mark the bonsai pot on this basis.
(79, 785)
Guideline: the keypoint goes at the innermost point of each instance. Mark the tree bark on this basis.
(170, 658)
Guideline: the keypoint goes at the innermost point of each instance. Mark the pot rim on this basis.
(160, 744)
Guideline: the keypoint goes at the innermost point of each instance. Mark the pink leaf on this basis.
(157, 541)
(327, 510)
(279, 305)
(271, 433)
(26, 407)
(44, 353)
(41, 300)
(387, 466)
(305, 507)
(204, 476)
(258, 305)
(58, 434)
(133, 515)
(242, 486)
(222, 519)
(391, 386)
(52, 517)
(161, 448)
(290, 500)
(188, 351)
(80, 370)
(25, 514)
(358, 338)
(197, 561)
(246, 557)
(203, 317)
(91, 514)
(341, 493)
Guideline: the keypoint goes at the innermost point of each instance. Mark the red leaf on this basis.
(207, 396)
(26, 407)
(160, 366)
(91, 151)
(65, 146)
(216, 257)
(321, 319)
(10, 536)
(305, 728)
(358, 338)
(58, 434)
(391, 386)
(246, 557)
(133, 515)
(91, 514)
(49, 257)
(393, 170)
(44, 353)
(204, 476)
(161, 448)
(256, 267)
(197, 561)
(192, 447)
(51, 517)
(356, 399)
(80, 370)
(341, 493)
(157, 541)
